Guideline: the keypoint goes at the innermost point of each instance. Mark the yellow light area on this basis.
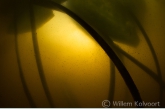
(62, 30)
(77, 69)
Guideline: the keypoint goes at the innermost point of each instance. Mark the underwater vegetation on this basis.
(115, 20)
(106, 20)
(111, 18)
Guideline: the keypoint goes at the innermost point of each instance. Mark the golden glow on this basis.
(76, 67)
(62, 30)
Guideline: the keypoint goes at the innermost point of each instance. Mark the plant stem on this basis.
(123, 71)
(25, 87)
(38, 58)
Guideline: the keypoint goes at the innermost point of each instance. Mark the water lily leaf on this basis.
(21, 9)
(110, 18)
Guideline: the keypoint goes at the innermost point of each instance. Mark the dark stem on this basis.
(26, 90)
(38, 58)
(152, 52)
(143, 67)
(123, 71)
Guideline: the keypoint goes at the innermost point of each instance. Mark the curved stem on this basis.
(143, 67)
(152, 52)
(123, 71)
(38, 58)
(25, 87)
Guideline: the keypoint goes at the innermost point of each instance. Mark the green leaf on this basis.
(110, 18)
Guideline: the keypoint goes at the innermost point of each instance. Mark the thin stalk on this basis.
(123, 71)
(143, 67)
(152, 52)
(25, 87)
(38, 58)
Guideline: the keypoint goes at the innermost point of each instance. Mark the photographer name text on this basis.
(136, 103)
